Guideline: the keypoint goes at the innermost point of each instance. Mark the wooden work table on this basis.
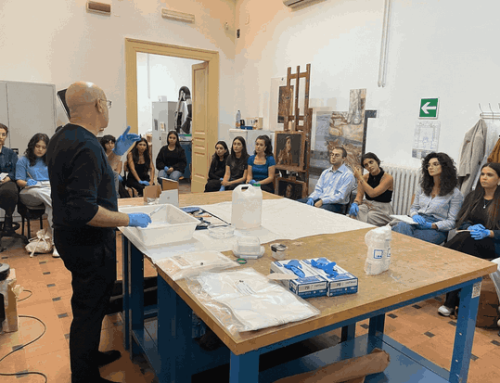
(418, 269)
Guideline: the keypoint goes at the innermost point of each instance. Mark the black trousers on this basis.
(133, 183)
(9, 195)
(212, 186)
(483, 248)
(93, 268)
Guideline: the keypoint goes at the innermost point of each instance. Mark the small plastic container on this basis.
(278, 251)
(248, 247)
(221, 231)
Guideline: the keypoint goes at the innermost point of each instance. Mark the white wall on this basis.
(445, 49)
(159, 76)
(59, 42)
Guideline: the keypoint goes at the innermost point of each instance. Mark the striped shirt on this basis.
(334, 186)
(444, 208)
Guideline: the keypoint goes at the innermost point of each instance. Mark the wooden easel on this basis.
(301, 123)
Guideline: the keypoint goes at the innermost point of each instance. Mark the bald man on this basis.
(85, 211)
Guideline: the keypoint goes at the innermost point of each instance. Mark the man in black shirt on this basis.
(85, 210)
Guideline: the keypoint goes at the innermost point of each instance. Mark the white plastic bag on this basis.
(245, 300)
(192, 264)
(378, 257)
(42, 243)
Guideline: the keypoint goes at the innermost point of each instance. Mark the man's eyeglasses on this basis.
(108, 102)
(434, 165)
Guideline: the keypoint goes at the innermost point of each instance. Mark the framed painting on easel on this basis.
(289, 150)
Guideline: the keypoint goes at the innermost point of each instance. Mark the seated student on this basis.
(437, 201)
(376, 187)
(480, 216)
(32, 177)
(171, 160)
(261, 166)
(139, 164)
(217, 167)
(236, 164)
(334, 187)
(108, 143)
(9, 192)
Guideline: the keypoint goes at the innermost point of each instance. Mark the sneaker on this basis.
(445, 311)
(55, 254)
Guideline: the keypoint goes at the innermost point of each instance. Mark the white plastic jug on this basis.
(246, 211)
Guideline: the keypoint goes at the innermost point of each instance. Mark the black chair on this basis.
(30, 213)
(10, 231)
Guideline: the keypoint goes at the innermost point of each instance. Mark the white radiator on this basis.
(405, 184)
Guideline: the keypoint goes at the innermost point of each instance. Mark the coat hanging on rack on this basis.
(495, 154)
(471, 155)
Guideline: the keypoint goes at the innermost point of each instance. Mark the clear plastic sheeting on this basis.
(245, 300)
(192, 264)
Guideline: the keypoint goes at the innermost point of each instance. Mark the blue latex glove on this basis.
(252, 182)
(354, 210)
(425, 226)
(166, 169)
(476, 227)
(479, 234)
(310, 202)
(295, 266)
(419, 219)
(222, 188)
(325, 265)
(145, 183)
(125, 141)
(31, 182)
(120, 178)
(139, 219)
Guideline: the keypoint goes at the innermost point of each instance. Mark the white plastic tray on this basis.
(169, 225)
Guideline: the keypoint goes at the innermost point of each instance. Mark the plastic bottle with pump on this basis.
(238, 118)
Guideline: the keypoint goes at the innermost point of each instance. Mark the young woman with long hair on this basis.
(261, 166)
(236, 164)
(217, 167)
(140, 165)
(437, 201)
(480, 217)
(9, 192)
(32, 176)
(171, 160)
(376, 187)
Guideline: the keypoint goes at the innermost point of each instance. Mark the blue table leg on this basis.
(136, 299)
(464, 336)
(244, 368)
(174, 336)
(376, 324)
(125, 292)
(348, 332)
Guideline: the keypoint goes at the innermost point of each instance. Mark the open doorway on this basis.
(164, 103)
(204, 66)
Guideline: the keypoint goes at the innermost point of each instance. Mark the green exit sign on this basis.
(428, 108)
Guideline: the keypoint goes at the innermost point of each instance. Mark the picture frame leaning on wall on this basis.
(290, 188)
(289, 151)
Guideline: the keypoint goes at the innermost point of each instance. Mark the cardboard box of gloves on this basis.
(316, 277)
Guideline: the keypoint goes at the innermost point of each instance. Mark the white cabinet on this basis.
(27, 108)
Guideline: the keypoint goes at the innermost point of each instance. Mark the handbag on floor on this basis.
(42, 243)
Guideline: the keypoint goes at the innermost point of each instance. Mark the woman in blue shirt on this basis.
(437, 201)
(9, 193)
(261, 166)
(32, 176)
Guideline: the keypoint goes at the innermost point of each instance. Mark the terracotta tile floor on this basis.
(418, 327)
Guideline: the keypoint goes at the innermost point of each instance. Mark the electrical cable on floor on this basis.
(20, 300)
(24, 345)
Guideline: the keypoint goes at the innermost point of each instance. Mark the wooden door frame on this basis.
(133, 46)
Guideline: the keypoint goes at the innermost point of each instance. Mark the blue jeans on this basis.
(431, 235)
(175, 175)
(333, 207)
